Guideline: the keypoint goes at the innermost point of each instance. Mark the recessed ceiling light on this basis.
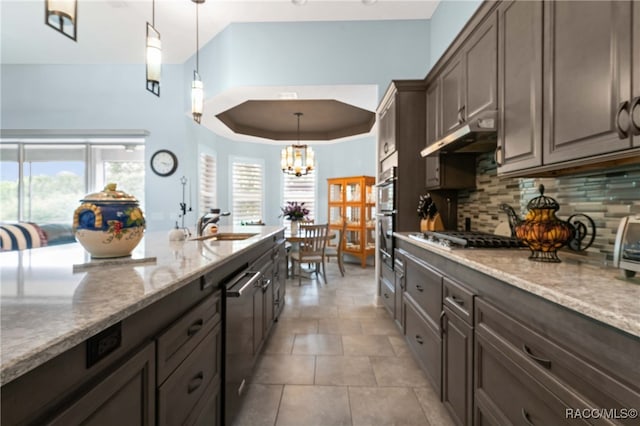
(288, 95)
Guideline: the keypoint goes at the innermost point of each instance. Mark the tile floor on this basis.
(335, 358)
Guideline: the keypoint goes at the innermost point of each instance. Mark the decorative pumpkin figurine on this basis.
(544, 233)
(109, 223)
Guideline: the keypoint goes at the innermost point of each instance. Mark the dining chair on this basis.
(311, 250)
(336, 251)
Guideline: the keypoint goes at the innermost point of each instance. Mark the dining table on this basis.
(295, 239)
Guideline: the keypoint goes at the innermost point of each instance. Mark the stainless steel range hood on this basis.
(478, 135)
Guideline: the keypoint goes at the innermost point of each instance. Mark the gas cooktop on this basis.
(467, 239)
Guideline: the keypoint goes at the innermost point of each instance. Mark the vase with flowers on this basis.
(295, 212)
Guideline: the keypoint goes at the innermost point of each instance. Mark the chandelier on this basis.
(297, 159)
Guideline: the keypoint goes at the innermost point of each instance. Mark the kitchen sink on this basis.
(225, 236)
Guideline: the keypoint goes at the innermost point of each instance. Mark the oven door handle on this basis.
(250, 283)
(385, 254)
(387, 213)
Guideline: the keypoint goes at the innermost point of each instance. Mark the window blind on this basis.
(208, 175)
(301, 189)
(247, 180)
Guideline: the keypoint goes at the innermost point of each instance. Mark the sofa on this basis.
(27, 235)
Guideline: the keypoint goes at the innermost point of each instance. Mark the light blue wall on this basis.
(315, 53)
(447, 21)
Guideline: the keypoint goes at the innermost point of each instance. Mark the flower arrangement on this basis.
(294, 211)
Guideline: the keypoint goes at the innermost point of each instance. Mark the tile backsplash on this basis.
(605, 196)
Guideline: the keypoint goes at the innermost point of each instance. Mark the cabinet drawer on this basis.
(386, 272)
(506, 392)
(182, 391)
(424, 285)
(458, 298)
(179, 340)
(575, 381)
(425, 342)
(388, 295)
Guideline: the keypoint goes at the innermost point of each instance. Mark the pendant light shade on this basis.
(62, 16)
(154, 60)
(297, 159)
(197, 87)
(197, 97)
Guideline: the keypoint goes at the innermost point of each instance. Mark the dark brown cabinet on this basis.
(422, 300)
(469, 82)
(387, 129)
(399, 286)
(520, 85)
(457, 367)
(450, 171)
(278, 290)
(124, 396)
(587, 84)
(635, 105)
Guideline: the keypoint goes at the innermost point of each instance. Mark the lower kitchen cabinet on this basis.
(499, 356)
(124, 396)
(457, 367)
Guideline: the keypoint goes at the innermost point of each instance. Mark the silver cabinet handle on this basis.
(624, 106)
(635, 126)
(543, 362)
(526, 418)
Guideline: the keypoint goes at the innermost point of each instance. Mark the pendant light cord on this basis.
(153, 13)
(197, 39)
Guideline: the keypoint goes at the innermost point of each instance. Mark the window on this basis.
(247, 195)
(42, 180)
(207, 191)
(301, 189)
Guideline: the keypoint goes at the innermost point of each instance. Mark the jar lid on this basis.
(110, 195)
(543, 202)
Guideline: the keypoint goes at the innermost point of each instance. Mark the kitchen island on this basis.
(75, 325)
(504, 339)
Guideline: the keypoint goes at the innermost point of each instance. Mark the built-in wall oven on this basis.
(387, 214)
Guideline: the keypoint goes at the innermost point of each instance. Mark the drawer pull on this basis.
(526, 418)
(457, 300)
(543, 362)
(196, 382)
(419, 339)
(195, 327)
(419, 288)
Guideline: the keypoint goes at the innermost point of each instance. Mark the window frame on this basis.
(253, 160)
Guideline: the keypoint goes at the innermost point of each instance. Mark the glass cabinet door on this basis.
(352, 191)
(352, 215)
(335, 215)
(352, 240)
(335, 192)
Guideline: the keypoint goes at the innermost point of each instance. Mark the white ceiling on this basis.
(113, 31)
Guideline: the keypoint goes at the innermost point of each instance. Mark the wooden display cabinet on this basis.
(353, 199)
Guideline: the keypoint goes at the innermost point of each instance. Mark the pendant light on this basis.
(154, 54)
(297, 159)
(62, 15)
(197, 88)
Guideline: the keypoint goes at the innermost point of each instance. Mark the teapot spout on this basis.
(513, 218)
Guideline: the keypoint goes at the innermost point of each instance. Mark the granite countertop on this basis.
(47, 309)
(596, 292)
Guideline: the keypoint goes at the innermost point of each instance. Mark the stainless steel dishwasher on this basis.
(242, 307)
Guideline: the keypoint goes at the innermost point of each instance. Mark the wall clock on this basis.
(164, 162)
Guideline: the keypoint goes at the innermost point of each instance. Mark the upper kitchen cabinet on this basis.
(387, 129)
(519, 85)
(469, 81)
(635, 107)
(587, 78)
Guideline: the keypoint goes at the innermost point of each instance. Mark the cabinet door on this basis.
(424, 286)
(425, 343)
(587, 56)
(636, 74)
(520, 85)
(126, 396)
(457, 367)
(452, 81)
(433, 171)
(481, 71)
(387, 130)
(433, 113)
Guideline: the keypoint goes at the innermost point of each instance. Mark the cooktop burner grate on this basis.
(467, 239)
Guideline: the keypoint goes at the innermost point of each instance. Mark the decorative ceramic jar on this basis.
(109, 223)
